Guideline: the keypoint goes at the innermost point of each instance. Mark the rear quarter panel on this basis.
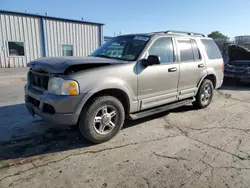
(214, 66)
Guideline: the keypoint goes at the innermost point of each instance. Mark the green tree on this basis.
(217, 35)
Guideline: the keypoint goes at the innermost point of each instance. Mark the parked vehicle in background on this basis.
(151, 73)
(237, 67)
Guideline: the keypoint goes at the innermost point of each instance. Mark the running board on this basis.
(160, 109)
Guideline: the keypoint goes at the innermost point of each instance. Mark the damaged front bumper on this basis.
(61, 110)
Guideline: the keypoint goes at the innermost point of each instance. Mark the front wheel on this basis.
(204, 95)
(101, 119)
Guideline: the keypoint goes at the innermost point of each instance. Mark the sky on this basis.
(230, 17)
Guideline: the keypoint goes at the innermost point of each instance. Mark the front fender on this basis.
(91, 88)
(112, 83)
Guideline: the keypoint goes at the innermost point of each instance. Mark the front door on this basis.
(192, 67)
(157, 84)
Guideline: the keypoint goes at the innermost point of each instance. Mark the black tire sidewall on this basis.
(87, 117)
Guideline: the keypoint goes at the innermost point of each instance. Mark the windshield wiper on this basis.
(105, 56)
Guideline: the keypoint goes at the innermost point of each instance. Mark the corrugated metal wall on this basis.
(43, 36)
(243, 41)
(19, 28)
(84, 37)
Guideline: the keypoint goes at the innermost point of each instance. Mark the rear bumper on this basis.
(219, 83)
(63, 110)
(240, 77)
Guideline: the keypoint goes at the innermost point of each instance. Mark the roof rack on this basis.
(184, 32)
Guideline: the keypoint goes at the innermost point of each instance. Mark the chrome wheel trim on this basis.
(206, 94)
(105, 119)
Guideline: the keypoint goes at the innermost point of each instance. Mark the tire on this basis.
(93, 112)
(200, 101)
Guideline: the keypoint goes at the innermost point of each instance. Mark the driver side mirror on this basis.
(151, 60)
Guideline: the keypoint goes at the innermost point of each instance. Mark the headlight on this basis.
(59, 86)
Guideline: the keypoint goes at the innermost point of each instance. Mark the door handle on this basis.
(173, 69)
(200, 65)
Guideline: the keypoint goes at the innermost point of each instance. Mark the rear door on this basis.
(192, 67)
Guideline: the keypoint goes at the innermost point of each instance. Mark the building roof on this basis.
(49, 17)
(243, 36)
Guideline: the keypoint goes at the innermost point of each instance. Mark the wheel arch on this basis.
(121, 95)
(210, 77)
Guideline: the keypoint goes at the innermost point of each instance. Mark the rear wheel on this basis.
(101, 119)
(204, 95)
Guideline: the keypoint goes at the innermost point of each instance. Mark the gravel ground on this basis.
(12, 76)
(180, 148)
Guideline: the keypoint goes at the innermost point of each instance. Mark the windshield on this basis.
(126, 48)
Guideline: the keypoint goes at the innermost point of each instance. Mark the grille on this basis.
(46, 108)
(33, 101)
(39, 80)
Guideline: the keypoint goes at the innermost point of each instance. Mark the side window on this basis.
(196, 51)
(189, 50)
(163, 47)
(16, 48)
(186, 50)
(211, 48)
(67, 50)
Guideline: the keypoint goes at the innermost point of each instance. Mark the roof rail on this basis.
(184, 32)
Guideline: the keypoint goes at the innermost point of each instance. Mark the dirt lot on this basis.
(181, 148)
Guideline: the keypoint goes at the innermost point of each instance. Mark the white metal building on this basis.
(25, 37)
(243, 41)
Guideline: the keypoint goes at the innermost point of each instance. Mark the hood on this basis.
(236, 53)
(60, 65)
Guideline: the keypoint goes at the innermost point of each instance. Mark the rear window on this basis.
(186, 50)
(212, 49)
(189, 50)
(197, 55)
